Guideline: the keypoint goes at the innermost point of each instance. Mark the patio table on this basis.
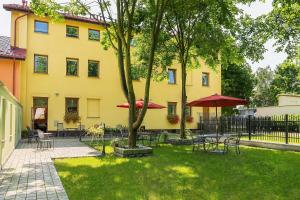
(214, 140)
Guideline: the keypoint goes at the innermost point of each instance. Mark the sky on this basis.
(255, 9)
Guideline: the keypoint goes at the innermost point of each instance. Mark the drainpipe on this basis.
(14, 46)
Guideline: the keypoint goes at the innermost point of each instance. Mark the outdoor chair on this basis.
(60, 129)
(123, 131)
(42, 141)
(198, 142)
(232, 141)
(32, 136)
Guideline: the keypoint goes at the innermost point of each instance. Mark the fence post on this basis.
(249, 126)
(286, 128)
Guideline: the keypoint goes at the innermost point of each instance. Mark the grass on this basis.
(175, 172)
(280, 138)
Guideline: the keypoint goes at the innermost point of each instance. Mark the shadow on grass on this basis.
(175, 172)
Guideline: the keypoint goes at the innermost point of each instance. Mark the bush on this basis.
(119, 142)
(164, 137)
(24, 133)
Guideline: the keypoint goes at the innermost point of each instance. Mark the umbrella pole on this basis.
(217, 126)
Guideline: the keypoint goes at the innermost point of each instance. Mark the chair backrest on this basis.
(41, 134)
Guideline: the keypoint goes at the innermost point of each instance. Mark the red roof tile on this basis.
(7, 51)
(17, 7)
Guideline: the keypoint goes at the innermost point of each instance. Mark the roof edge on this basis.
(67, 16)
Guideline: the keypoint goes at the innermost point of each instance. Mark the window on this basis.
(72, 31)
(40, 64)
(93, 108)
(72, 67)
(188, 111)
(172, 76)
(172, 108)
(40, 102)
(93, 68)
(94, 35)
(72, 105)
(205, 79)
(40, 27)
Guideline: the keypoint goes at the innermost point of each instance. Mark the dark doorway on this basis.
(39, 114)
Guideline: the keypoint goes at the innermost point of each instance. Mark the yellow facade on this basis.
(98, 97)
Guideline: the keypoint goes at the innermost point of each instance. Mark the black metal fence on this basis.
(283, 129)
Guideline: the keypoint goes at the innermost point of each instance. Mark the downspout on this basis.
(14, 46)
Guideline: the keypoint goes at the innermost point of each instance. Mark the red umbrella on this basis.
(217, 100)
(140, 103)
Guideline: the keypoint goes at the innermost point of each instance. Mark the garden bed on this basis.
(139, 151)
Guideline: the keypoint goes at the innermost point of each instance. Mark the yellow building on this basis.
(66, 70)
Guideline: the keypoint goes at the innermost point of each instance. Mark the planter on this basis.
(139, 151)
(173, 119)
(189, 119)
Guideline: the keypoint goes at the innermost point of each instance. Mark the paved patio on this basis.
(30, 173)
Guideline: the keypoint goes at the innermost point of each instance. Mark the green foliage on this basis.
(71, 116)
(237, 81)
(262, 92)
(96, 130)
(283, 25)
(174, 172)
(286, 79)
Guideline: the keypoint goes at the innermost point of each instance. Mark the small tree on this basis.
(286, 79)
(262, 91)
(237, 81)
(132, 17)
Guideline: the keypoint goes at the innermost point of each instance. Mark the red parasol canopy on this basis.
(139, 104)
(217, 100)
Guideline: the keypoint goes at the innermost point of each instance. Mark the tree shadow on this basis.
(177, 173)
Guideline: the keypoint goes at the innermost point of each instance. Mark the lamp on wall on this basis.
(56, 94)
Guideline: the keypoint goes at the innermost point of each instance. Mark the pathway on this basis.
(30, 173)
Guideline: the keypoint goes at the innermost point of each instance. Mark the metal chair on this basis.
(198, 141)
(232, 141)
(31, 135)
(60, 129)
(42, 140)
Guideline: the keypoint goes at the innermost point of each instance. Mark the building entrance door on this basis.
(39, 113)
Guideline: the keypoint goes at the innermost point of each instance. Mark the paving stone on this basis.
(30, 173)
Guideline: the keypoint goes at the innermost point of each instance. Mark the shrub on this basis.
(24, 134)
(119, 142)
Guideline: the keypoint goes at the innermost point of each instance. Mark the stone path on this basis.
(30, 173)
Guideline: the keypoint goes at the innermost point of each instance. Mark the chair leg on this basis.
(238, 149)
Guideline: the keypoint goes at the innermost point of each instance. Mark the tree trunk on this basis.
(183, 100)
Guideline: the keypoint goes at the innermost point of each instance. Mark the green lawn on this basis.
(175, 172)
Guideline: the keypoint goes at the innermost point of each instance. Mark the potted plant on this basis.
(173, 119)
(71, 116)
(189, 119)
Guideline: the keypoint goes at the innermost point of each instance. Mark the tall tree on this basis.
(286, 79)
(237, 81)
(262, 91)
(282, 24)
(132, 17)
(215, 31)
